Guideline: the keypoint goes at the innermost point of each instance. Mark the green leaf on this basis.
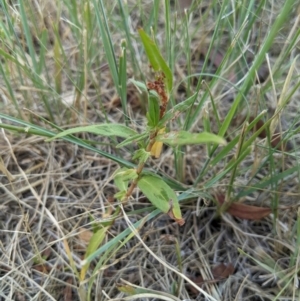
(123, 80)
(142, 155)
(186, 138)
(94, 243)
(156, 60)
(153, 111)
(258, 60)
(141, 87)
(102, 24)
(120, 195)
(137, 225)
(123, 176)
(134, 138)
(32, 129)
(105, 129)
(161, 196)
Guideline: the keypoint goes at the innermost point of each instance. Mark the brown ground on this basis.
(50, 193)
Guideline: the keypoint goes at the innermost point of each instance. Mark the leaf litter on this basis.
(74, 185)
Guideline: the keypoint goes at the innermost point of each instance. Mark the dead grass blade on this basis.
(219, 273)
(244, 211)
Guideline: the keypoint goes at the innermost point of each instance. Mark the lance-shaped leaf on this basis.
(141, 87)
(156, 60)
(153, 111)
(133, 139)
(105, 129)
(161, 196)
(142, 155)
(176, 138)
(123, 176)
(94, 243)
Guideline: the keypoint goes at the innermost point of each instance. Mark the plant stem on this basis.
(139, 168)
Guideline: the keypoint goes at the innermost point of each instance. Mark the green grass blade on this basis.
(119, 237)
(10, 90)
(259, 58)
(186, 138)
(27, 127)
(194, 115)
(297, 234)
(28, 35)
(123, 81)
(94, 243)
(264, 184)
(102, 23)
(42, 60)
(125, 17)
(104, 129)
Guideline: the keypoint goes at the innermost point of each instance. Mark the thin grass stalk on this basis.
(187, 45)
(194, 113)
(102, 23)
(105, 258)
(214, 181)
(39, 131)
(295, 256)
(228, 198)
(212, 161)
(155, 10)
(252, 72)
(168, 33)
(11, 92)
(73, 13)
(123, 80)
(28, 36)
(125, 17)
(58, 67)
(249, 79)
(42, 55)
(263, 184)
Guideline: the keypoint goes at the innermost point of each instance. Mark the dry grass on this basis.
(50, 193)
